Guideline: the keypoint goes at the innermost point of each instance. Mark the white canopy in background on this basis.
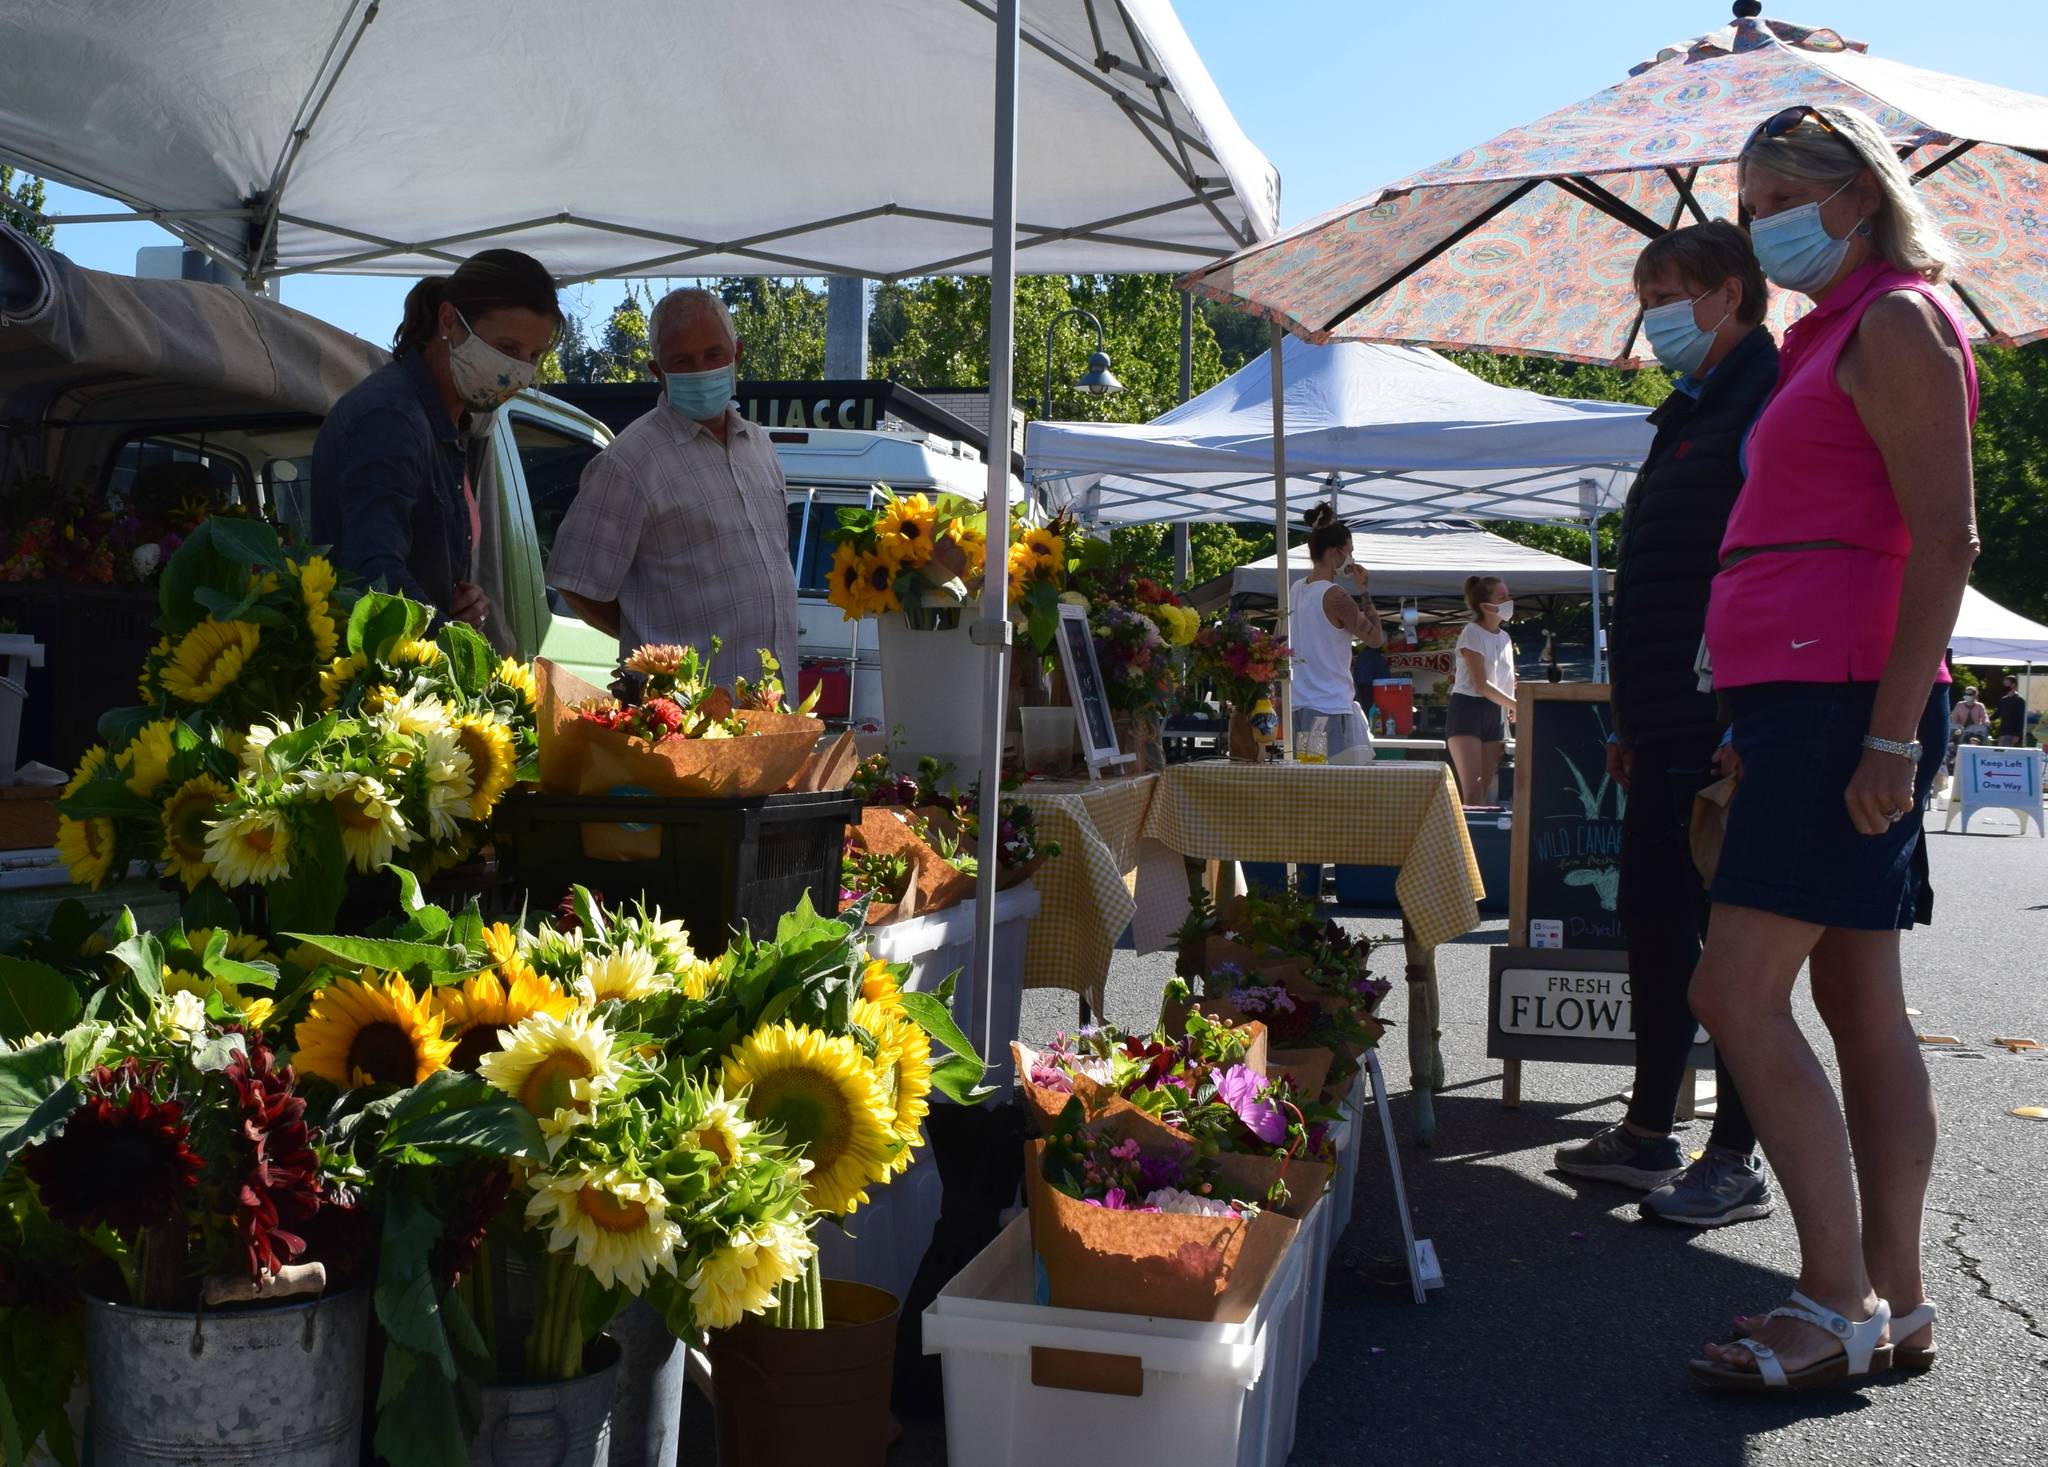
(1393, 433)
(1420, 562)
(645, 137)
(1989, 635)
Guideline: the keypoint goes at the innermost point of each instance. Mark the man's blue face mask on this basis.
(701, 395)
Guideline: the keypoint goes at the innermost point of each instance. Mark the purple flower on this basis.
(1239, 1089)
(1047, 1077)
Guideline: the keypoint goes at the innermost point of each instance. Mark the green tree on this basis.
(783, 324)
(619, 354)
(22, 202)
(2011, 450)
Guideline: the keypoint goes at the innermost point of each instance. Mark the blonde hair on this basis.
(1904, 230)
(1478, 588)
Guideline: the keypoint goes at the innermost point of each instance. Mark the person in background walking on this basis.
(2012, 716)
(1841, 576)
(1482, 687)
(1703, 301)
(1969, 724)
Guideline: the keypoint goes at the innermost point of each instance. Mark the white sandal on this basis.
(1913, 1359)
(1863, 1353)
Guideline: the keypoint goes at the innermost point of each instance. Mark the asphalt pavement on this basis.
(1563, 1329)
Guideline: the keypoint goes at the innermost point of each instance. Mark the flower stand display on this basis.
(1026, 1382)
(279, 1385)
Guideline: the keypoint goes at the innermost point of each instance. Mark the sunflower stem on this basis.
(486, 1307)
(814, 1295)
(569, 1344)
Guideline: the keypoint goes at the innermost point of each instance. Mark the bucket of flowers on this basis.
(295, 741)
(169, 1204)
(1241, 660)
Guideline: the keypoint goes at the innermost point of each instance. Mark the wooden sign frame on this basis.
(1515, 1047)
(1076, 644)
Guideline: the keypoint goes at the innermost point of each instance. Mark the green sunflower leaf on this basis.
(35, 999)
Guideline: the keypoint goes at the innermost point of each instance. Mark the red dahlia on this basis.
(281, 1189)
(121, 1162)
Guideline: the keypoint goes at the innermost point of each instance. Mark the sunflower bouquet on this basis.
(908, 553)
(156, 1151)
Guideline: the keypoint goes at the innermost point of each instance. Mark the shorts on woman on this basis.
(1478, 718)
(1790, 846)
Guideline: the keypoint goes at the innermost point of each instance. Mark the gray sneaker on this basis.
(1618, 1155)
(1722, 1187)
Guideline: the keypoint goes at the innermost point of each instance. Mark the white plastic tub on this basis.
(931, 692)
(17, 655)
(1166, 1390)
(943, 943)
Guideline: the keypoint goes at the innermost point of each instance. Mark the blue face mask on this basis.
(1795, 249)
(1675, 336)
(701, 395)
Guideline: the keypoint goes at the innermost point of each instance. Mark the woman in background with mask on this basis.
(1703, 301)
(391, 486)
(1482, 687)
(1841, 575)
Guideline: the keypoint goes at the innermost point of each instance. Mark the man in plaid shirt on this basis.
(680, 530)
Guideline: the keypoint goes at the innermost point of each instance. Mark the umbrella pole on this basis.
(993, 632)
(1285, 685)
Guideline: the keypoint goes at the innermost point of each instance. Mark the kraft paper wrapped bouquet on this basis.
(681, 736)
(1129, 1217)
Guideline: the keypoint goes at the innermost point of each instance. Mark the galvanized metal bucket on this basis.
(647, 1414)
(565, 1423)
(280, 1385)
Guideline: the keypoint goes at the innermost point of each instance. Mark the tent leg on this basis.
(1183, 542)
(993, 633)
(1280, 586)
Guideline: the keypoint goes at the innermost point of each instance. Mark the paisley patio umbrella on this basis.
(1526, 243)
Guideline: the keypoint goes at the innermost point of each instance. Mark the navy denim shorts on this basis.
(1790, 847)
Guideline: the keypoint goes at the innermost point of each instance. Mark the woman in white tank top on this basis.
(1327, 619)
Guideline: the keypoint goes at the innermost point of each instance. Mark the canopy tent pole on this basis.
(1183, 542)
(993, 632)
(1599, 657)
(1285, 686)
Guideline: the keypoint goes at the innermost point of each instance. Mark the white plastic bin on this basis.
(17, 655)
(1208, 1395)
(931, 692)
(943, 943)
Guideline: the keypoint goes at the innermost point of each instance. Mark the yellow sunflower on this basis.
(908, 524)
(615, 1225)
(316, 589)
(148, 758)
(336, 677)
(554, 1066)
(372, 829)
(361, 1031)
(243, 947)
(878, 580)
(451, 781)
(482, 1010)
(628, 972)
(741, 1278)
(518, 676)
(1046, 550)
(879, 985)
(826, 1098)
(88, 769)
(145, 682)
(250, 848)
(502, 943)
(492, 760)
(209, 659)
(187, 813)
(903, 1058)
(417, 711)
(724, 1130)
(697, 977)
(416, 653)
(87, 849)
(849, 587)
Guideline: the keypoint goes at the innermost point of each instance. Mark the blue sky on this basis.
(1344, 95)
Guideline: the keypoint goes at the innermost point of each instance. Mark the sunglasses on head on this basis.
(1778, 125)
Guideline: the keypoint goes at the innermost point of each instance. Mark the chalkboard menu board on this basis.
(1566, 876)
(1084, 684)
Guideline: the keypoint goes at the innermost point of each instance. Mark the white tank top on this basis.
(1322, 653)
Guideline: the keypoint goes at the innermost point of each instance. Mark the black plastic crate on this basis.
(721, 864)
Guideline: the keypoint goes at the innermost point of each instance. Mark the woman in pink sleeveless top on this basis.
(1841, 574)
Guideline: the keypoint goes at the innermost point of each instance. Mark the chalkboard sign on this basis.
(1565, 881)
(1086, 688)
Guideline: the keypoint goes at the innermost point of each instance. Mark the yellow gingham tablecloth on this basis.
(1087, 895)
(1382, 814)
(1122, 841)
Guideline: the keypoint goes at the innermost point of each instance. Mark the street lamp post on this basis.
(1098, 380)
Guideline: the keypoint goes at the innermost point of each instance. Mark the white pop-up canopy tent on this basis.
(1390, 433)
(1419, 563)
(636, 137)
(646, 137)
(1990, 635)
